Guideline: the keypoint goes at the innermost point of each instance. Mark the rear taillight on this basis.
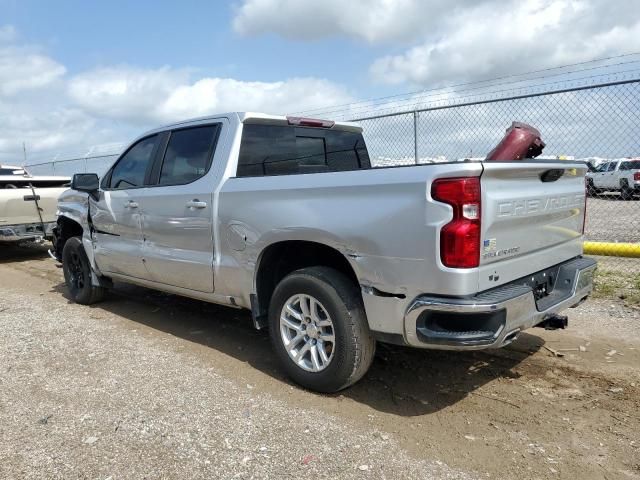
(636, 177)
(460, 238)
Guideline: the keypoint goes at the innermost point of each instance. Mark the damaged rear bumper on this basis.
(494, 318)
(26, 232)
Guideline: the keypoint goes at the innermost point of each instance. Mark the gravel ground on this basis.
(610, 219)
(86, 398)
(148, 385)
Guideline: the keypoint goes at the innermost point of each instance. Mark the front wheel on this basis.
(77, 273)
(319, 329)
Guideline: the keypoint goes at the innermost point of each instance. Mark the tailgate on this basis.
(532, 217)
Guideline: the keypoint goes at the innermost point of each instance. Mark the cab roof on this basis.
(256, 117)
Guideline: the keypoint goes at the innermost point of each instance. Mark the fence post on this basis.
(415, 136)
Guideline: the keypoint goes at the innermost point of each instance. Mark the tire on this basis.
(592, 191)
(339, 302)
(77, 273)
(626, 192)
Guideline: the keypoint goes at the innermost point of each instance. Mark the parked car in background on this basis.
(287, 218)
(28, 204)
(621, 175)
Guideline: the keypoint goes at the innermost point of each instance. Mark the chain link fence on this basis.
(595, 123)
(95, 160)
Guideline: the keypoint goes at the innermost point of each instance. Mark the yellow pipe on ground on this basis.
(612, 249)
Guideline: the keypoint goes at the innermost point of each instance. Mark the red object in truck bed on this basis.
(520, 141)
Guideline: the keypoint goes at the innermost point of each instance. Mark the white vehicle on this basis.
(621, 175)
(28, 204)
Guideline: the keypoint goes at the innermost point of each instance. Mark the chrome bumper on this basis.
(26, 232)
(500, 314)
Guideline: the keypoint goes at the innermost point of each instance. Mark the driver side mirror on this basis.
(86, 182)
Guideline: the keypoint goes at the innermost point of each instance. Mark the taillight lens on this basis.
(636, 177)
(460, 238)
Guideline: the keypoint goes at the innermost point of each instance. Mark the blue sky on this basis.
(77, 74)
(197, 34)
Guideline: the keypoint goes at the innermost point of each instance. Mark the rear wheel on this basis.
(626, 192)
(319, 329)
(77, 273)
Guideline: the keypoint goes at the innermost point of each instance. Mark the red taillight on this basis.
(310, 122)
(460, 238)
(636, 177)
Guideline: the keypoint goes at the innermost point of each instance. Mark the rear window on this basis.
(631, 165)
(289, 150)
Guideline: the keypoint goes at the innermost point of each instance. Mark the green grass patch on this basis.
(617, 284)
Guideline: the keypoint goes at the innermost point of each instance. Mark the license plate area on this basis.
(542, 283)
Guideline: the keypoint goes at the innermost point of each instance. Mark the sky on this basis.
(77, 74)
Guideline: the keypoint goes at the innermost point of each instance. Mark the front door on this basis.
(177, 218)
(610, 176)
(116, 215)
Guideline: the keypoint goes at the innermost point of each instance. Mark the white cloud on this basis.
(147, 96)
(454, 40)
(369, 20)
(491, 40)
(54, 113)
(23, 67)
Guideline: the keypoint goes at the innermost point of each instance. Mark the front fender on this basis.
(75, 206)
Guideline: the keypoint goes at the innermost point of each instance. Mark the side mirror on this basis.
(86, 182)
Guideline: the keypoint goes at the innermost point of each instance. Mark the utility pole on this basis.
(24, 152)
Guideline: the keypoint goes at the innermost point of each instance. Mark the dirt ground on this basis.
(149, 385)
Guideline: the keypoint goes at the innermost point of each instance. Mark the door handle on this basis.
(193, 204)
(131, 204)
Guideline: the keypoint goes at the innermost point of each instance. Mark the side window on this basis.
(612, 167)
(188, 155)
(346, 151)
(132, 166)
(289, 150)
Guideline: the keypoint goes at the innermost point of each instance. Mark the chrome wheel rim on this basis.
(307, 333)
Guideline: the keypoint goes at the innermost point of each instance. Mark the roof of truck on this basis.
(252, 117)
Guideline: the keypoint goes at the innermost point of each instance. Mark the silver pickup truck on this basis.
(286, 217)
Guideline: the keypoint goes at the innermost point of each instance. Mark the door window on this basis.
(611, 167)
(131, 169)
(188, 155)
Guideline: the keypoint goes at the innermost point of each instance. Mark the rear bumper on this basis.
(26, 232)
(494, 318)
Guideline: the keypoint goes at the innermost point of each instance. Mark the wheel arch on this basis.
(65, 229)
(279, 259)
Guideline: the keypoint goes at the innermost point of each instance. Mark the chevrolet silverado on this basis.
(286, 217)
